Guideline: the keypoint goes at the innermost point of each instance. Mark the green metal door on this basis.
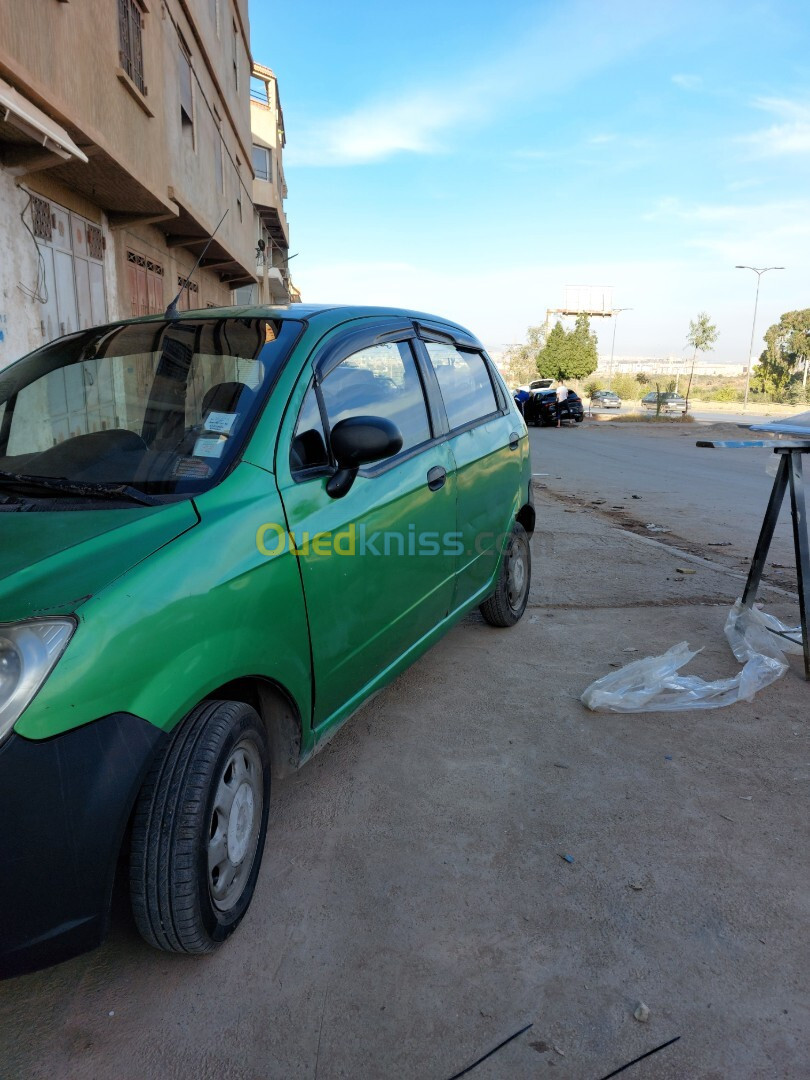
(377, 565)
(485, 443)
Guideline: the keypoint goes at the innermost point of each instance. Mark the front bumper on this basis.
(64, 805)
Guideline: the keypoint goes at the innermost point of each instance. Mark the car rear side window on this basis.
(465, 383)
(381, 380)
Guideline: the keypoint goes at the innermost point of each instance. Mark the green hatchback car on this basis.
(220, 533)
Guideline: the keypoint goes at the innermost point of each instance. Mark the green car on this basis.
(221, 533)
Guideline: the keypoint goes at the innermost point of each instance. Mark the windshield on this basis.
(161, 407)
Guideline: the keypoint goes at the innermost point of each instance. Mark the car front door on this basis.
(485, 436)
(377, 565)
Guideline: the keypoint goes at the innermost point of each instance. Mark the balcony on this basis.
(277, 279)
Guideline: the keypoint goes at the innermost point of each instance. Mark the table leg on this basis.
(766, 532)
(802, 546)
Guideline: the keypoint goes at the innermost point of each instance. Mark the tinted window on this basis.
(308, 450)
(379, 381)
(163, 406)
(464, 381)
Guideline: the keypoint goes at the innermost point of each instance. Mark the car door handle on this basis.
(514, 441)
(436, 477)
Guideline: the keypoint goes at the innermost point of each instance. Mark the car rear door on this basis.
(488, 439)
(377, 565)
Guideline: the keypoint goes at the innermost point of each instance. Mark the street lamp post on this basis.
(613, 341)
(759, 271)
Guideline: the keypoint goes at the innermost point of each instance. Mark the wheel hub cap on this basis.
(234, 826)
(518, 575)
(240, 823)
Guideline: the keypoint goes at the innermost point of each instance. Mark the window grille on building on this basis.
(95, 242)
(41, 213)
(131, 42)
(145, 279)
(188, 296)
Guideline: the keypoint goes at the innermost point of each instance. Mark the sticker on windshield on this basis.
(220, 421)
(189, 468)
(209, 447)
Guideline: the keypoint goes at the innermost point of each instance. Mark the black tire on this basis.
(508, 602)
(579, 419)
(219, 752)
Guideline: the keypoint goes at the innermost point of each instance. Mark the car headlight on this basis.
(28, 653)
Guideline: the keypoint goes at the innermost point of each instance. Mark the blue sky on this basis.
(474, 161)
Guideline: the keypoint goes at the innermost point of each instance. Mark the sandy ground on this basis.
(414, 908)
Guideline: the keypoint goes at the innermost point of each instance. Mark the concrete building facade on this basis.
(125, 136)
(270, 189)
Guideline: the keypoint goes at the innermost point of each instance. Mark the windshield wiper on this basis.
(90, 490)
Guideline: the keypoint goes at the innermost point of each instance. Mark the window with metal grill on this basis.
(41, 211)
(131, 41)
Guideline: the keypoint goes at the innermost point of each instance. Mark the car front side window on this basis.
(308, 448)
(382, 380)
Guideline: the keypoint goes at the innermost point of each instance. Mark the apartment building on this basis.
(274, 284)
(125, 136)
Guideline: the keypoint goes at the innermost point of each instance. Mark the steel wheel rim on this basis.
(517, 577)
(233, 828)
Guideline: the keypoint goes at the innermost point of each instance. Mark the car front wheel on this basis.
(508, 602)
(199, 829)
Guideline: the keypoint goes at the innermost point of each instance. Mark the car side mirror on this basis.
(356, 441)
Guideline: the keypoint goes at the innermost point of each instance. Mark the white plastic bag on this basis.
(654, 685)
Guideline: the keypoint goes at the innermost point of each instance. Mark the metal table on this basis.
(789, 473)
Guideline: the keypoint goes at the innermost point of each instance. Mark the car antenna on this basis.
(172, 311)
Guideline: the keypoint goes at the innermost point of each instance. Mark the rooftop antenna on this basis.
(172, 311)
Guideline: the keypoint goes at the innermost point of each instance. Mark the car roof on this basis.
(326, 316)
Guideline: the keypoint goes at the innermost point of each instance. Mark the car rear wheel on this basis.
(508, 602)
(199, 829)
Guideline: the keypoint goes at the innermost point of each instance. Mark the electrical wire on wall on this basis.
(40, 290)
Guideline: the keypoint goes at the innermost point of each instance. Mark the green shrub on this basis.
(627, 387)
(725, 393)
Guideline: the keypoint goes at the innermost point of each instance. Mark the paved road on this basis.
(704, 497)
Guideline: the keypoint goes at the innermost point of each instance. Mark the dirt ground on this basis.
(415, 907)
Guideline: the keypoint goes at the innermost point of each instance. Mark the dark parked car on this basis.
(541, 408)
(670, 403)
(605, 399)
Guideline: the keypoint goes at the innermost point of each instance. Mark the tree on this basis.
(787, 351)
(552, 361)
(569, 354)
(702, 336)
(626, 386)
(583, 358)
(774, 370)
(520, 361)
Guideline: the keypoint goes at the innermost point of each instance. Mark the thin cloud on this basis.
(759, 233)
(791, 136)
(425, 119)
(376, 131)
(688, 82)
